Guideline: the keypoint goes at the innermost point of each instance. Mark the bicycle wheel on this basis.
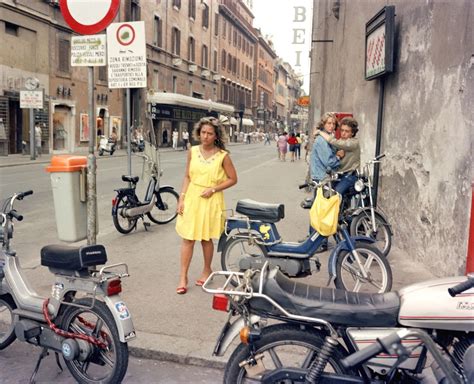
(350, 277)
(361, 225)
(102, 365)
(238, 248)
(123, 224)
(283, 347)
(7, 321)
(166, 211)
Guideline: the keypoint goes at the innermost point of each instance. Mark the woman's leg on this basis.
(187, 248)
(208, 252)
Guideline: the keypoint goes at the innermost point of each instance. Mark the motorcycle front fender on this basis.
(221, 243)
(122, 317)
(366, 211)
(165, 187)
(230, 332)
(343, 246)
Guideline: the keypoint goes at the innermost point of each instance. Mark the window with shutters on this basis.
(177, 4)
(157, 32)
(205, 56)
(64, 54)
(175, 41)
(192, 9)
(216, 24)
(223, 59)
(214, 61)
(102, 73)
(192, 49)
(205, 16)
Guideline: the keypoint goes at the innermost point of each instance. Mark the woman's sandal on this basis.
(200, 282)
(181, 290)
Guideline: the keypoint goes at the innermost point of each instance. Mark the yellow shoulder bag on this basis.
(324, 213)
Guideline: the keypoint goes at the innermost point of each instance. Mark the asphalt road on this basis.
(17, 364)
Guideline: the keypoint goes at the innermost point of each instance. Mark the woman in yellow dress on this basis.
(209, 170)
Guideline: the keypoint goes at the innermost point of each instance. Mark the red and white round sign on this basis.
(88, 17)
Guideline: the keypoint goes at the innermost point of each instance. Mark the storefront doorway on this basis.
(63, 135)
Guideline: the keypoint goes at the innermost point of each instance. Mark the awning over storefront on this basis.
(188, 101)
(247, 122)
(233, 121)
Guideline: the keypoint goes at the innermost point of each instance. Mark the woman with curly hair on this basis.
(209, 170)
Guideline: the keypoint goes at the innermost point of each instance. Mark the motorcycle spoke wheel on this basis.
(168, 210)
(102, 365)
(123, 224)
(236, 249)
(362, 226)
(282, 346)
(7, 322)
(350, 276)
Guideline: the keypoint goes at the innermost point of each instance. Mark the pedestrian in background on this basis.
(185, 139)
(292, 144)
(38, 134)
(282, 145)
(298, 146)
(174, 137)
(209, 170)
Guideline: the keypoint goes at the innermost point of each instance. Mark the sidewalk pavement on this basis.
(184, 328)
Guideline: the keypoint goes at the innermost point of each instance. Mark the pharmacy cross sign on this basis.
(88, 17)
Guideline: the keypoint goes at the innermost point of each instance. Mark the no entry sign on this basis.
(88, 17)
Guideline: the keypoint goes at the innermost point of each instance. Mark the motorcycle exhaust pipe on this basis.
(137, 211)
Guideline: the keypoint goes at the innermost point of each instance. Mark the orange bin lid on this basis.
(67, 163)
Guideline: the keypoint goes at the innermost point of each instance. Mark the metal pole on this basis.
(91, 165)
(379, 138)
(32, 135)
(129, 123)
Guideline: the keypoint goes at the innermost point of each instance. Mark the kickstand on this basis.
(42, 355)
(57, 361)
(146, 225)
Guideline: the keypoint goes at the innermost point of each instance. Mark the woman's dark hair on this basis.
(221, 136)
(351, 123)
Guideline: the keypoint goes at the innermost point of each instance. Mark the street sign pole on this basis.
(129, 127)
(91, 166)
(32, 135)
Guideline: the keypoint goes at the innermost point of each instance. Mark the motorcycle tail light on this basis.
(220, 302)
(114, 201)
(114, 287)
(359, 185)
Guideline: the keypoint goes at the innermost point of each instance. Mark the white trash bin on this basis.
(68, 181)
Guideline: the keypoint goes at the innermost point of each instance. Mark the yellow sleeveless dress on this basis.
(203, 219)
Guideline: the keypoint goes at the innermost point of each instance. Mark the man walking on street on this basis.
(185, 140)
(175, 139)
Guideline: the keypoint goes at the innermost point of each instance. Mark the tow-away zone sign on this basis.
(126, 55)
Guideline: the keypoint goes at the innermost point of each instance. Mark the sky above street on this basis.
(288, 24)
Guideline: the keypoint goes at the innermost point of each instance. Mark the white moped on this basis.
(84, 319)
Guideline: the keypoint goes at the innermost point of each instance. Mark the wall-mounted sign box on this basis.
(380, 43)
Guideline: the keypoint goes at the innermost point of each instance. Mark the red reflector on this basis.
(220, 302)
(114, 200)
(114, 287)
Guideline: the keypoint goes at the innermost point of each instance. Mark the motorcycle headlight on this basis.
(359, 185)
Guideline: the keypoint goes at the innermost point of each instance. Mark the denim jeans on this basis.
(345, 183)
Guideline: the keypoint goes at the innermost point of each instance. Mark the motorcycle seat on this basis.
(70, 258)
(131, 179)
(254, 210)
(336, 306)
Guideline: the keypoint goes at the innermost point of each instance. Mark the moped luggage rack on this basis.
(97, 278)
(244, 289)
(252, 233)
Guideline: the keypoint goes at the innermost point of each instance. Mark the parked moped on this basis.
(249, 241)
(313, 330)
(160, 202)
(106, 145)
(84, 319)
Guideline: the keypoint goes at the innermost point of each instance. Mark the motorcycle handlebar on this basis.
(16, 215)
(301, 186)
(461, 287)
(380, 156)
(21, 195)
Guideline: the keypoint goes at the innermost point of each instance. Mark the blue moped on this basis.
(252, 239)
